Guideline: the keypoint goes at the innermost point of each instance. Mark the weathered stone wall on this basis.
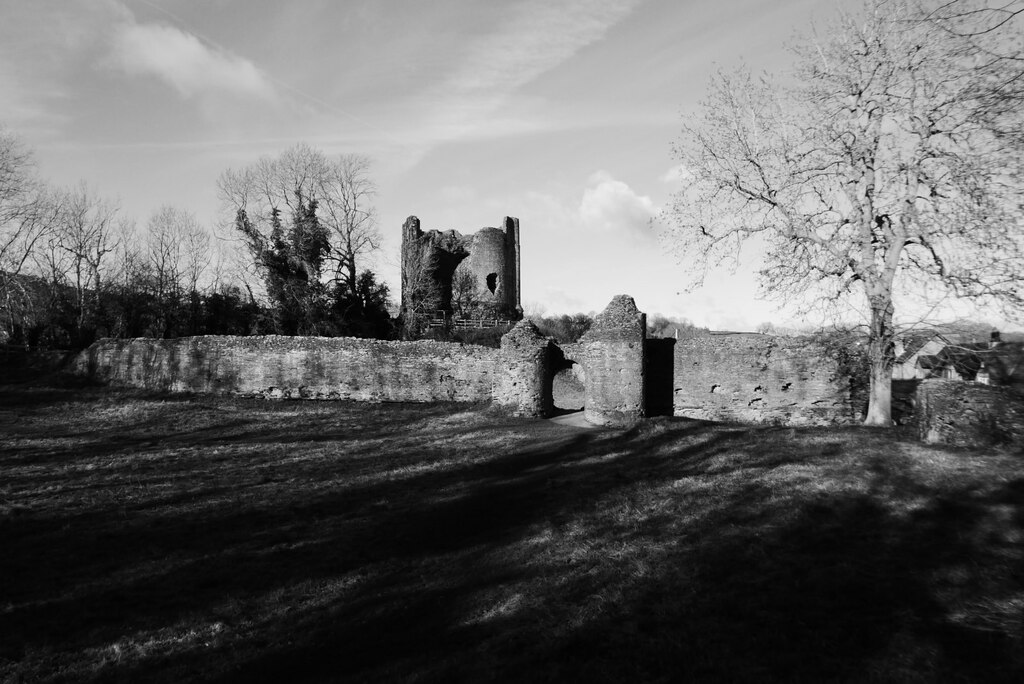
(755, 378)
(313, 367)
(615, 373)
(525, 370)
(969, 414)
(613, 360)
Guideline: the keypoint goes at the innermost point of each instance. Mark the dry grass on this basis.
(157, 538)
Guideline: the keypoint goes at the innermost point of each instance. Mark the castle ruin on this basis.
(615, 373)
(448, 274)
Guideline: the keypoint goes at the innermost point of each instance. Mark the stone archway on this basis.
(567, 380)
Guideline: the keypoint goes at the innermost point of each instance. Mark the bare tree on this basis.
(177, 255)
(340, 187)
(86, 234)
(421, 292)
(197, 256)
(881, 166)
(129, 263)
(27, 213)
(346, 196)
(18, 194)
(465, 291)
(177, 251)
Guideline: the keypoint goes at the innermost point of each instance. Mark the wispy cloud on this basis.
(31, 109)
(182, 60)
(44, 50)
(535, 37)
(528, 39)
(56, 59)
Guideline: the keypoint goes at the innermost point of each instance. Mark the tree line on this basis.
(74, 268)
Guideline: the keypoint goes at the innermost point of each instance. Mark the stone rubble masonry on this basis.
(614, 372)
(523, 377)
(491, 256)
(969, 414)
(613, 360)
(754, 378)
(296, 367)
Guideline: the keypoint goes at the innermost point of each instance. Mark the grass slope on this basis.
(168, 538)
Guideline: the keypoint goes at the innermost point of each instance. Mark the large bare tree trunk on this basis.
(880, 358)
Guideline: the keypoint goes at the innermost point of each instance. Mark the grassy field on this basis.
(169, 538)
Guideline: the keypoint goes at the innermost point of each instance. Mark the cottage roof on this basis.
(915, 342)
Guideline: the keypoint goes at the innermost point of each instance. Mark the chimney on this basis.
(994, 339)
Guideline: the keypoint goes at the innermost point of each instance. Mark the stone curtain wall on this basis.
(308, 367)
(969, 414)
(755, 378)
(614, 372)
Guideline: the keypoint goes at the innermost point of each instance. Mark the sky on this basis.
(559, 112)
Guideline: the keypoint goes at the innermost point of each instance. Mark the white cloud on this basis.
(183, 61)
(611, 205)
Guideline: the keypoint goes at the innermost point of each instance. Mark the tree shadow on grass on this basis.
(840, 588)
(675, 550)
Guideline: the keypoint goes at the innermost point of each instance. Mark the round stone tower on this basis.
(494, 263)
(489, 268)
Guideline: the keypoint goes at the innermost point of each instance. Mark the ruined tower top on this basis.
(463, 276)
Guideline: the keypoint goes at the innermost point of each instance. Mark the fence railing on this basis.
(481, 323)
(441, 321)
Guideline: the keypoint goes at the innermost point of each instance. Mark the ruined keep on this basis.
(473, 275)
